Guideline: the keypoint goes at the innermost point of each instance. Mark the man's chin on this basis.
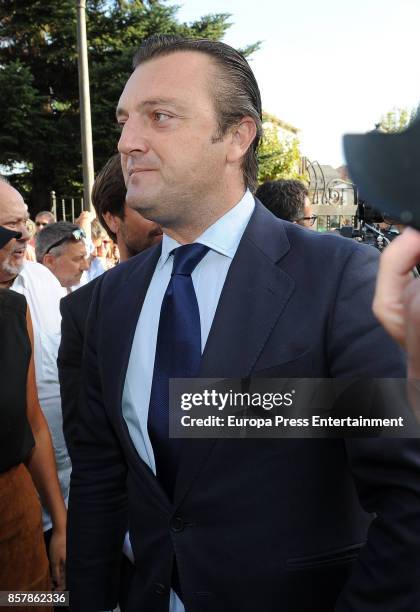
(134, 199)
(13, 269)
(155, 238)
(141, 199)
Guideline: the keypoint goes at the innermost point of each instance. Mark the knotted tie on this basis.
(178, 355)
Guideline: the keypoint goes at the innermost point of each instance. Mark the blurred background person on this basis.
(288, 200)
(115, 253)
(61, 247)
(125, 226)
(25, 444)
(43, 293)
(132, 234)
(30, 247)
(86, 221)
(101, 257)
(42, 219)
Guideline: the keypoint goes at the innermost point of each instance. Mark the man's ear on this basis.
(241, 137)
(48, 261)
(112, 221)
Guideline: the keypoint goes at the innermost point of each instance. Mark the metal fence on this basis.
(334, 206)
(334, 216)
(66, 208)
(334, 197)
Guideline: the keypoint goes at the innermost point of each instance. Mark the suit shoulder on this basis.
(121, 273)
(279, 238)
(330, 244)
(12, 300)
(80, 298)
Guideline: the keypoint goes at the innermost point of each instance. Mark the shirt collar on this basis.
(20, 280)
(223, 236)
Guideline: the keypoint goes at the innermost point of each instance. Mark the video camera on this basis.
(385, 169)
(369, 230)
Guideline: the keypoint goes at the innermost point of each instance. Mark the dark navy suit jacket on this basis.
(299, 525)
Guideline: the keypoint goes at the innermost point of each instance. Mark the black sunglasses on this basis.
(311, 219)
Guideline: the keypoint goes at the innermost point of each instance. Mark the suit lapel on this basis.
(253, 297)
(120, 320)
(124, 306)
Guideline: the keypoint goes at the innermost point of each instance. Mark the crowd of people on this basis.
(67, 257)
(184, 273)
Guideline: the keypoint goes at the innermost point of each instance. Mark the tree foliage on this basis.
(395, 120)
(39, 105)
(278, 157)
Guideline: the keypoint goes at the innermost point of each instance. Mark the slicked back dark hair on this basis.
(109, 191)
(284, 198)
(236, 92)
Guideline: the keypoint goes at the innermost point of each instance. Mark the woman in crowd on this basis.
(26, 459)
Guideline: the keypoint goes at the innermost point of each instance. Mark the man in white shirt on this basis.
(61, 247)
(43, 293)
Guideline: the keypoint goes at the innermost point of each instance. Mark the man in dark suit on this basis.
(133, 234)
(229, 525)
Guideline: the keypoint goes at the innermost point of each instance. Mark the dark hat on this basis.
(7, 235)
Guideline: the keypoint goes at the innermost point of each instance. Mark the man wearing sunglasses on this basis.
(61, 248)
(288, 200)
(43, 294)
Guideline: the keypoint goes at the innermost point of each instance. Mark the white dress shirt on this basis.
(208, 278)
(43, 293)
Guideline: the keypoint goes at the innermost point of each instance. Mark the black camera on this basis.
(369, 230)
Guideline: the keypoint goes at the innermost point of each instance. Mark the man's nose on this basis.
(25, 233)
(133, 139)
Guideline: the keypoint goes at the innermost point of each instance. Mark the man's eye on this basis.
(161, 117)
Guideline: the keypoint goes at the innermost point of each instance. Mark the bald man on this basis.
(43, 293)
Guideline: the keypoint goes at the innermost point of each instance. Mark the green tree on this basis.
(278, 157)
(39, 103)
(395, 120)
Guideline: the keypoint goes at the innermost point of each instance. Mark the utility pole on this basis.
(84, 95)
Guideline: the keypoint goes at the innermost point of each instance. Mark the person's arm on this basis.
(42, 467)
(386, 471)
(98, 509)
(69, 363)
(397, 297)
(84, 221)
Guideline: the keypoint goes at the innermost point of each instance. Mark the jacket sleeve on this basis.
(358, 346)
(386, 576)
(69, 364)
(97, 513)
(386, 471)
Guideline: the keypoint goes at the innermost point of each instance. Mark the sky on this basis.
(328, 67)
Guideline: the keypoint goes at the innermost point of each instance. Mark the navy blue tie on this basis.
(178, 355)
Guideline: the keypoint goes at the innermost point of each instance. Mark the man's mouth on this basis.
(137, 170)
(19, 252)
